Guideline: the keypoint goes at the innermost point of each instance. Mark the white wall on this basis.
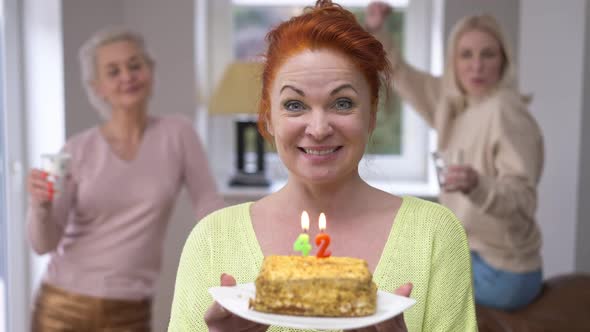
(552, 67)
(169, 31)
(81, 18)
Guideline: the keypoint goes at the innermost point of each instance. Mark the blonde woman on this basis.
(477, 108)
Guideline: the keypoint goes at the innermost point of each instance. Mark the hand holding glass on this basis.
(57, 167)
(442, 161)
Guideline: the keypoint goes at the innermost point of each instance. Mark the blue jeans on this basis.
(502, 289)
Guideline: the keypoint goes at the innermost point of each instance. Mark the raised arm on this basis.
(418, 88)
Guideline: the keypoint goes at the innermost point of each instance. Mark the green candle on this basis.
(302, 243)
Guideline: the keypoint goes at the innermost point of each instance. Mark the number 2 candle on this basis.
(322, 240)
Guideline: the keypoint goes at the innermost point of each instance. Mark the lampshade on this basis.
(239, 90)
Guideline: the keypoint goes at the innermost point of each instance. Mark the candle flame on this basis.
(322, 222)
(305, 221)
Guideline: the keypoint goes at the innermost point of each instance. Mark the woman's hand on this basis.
(395, 324)
(376, 14)
(461, 178)
(220, 320)
(40, 189)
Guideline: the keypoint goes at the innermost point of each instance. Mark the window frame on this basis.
(17, 287)
(412, 167)
(3, 176)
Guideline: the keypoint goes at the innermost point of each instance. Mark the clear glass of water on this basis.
(444, 159)
(57, 166)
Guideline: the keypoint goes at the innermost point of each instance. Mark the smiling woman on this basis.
(479, 112)
(320, 90)
(321, 115)
(399, 142)
(104, 228)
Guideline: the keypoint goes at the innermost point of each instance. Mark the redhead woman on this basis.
(321, 82)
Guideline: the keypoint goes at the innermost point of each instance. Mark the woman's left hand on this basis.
(395, 324)
(461, 178)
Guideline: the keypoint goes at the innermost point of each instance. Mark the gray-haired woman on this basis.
(104, 229)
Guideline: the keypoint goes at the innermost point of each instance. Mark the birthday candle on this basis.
(322, 239)
(302, 243)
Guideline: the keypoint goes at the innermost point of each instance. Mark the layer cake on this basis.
(311, 286)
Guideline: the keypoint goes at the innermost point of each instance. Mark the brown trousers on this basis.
(57, 310)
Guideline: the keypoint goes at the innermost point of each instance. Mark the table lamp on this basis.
(238, 94)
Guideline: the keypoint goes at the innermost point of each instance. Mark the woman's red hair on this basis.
(328, 26)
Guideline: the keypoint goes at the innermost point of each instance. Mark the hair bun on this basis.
(323, 3)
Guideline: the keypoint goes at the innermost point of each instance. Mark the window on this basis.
(398, 149)
(13, 250)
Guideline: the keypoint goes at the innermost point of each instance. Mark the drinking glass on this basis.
(57, 166)
(444, 159)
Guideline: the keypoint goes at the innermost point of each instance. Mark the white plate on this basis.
(235, 299)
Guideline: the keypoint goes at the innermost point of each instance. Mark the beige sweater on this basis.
(503, 143)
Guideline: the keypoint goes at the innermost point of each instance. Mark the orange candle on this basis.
(322, 240)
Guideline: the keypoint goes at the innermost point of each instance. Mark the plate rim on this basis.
(274, 319)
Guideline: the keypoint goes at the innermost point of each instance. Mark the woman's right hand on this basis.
(40, 189)
(462, 178)
(220, 320)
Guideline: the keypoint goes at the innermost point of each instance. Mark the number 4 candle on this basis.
(302, 243)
